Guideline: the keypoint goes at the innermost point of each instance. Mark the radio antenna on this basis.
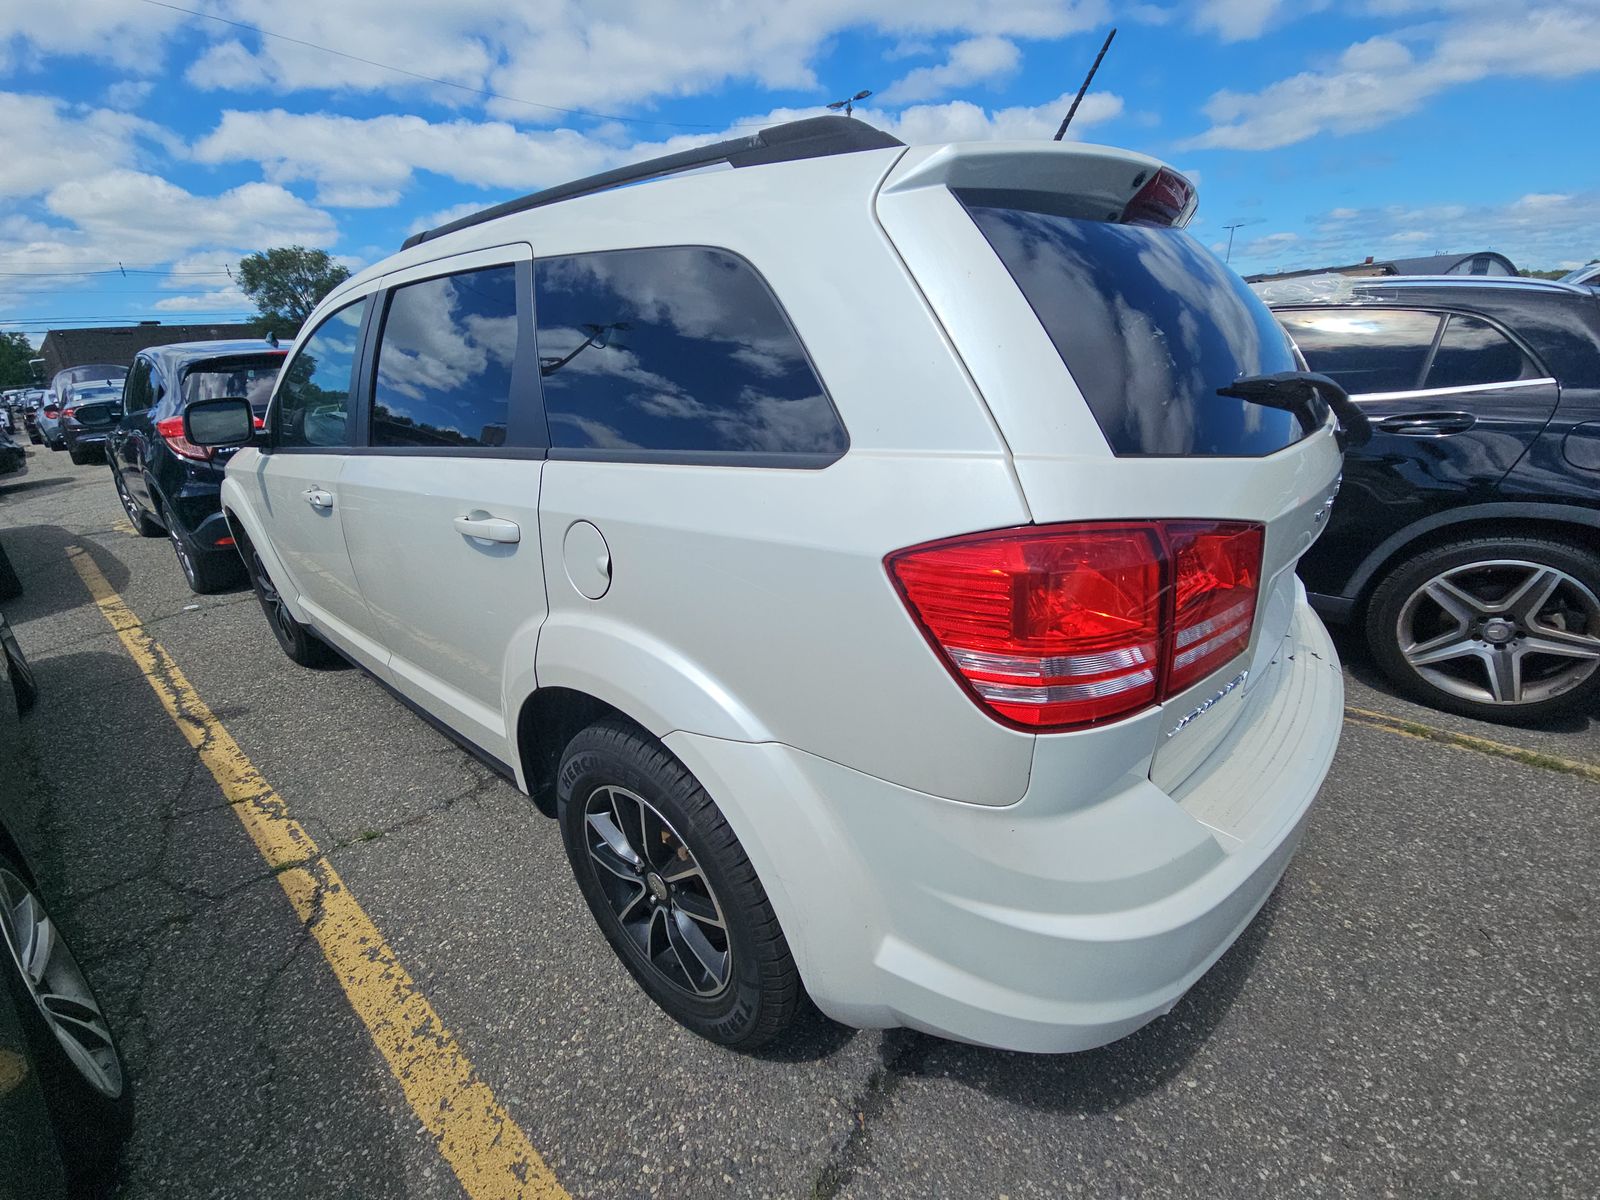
(1087, 79)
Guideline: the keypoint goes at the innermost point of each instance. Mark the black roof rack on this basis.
(814, 137)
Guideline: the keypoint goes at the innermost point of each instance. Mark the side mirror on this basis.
(224, 422)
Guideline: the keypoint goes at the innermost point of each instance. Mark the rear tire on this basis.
(205, 572)
(679, 901)
(86, 1088)
(298, 642)
(143, 523)
(10, 585)
(1464, 628)
(82, 456)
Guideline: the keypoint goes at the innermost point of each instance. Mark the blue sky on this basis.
(173, 143)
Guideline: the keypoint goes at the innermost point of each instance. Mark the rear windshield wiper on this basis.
(1292, 391)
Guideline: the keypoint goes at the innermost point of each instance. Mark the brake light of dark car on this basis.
(67, 412)
(51, 411)
(1059, 627)
(171, 431)
(1164, 200)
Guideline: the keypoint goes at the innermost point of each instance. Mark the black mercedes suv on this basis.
(167, 484)
(1465, 538)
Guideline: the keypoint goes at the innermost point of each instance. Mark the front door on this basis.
(441, 506)
(1454, 404)
(296, 485)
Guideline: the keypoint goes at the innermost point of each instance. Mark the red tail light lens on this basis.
(1165, 200)
(51, 411)
(67, 412)
(1217, 575)
(171, 431)
(1067, 626)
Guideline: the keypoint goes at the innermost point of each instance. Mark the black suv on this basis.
(165, 482)
(1464, 539)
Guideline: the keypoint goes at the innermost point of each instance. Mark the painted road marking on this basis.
(1467, 741)
(488, 1152)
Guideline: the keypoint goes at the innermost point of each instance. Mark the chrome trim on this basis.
(1024, 667)
(1197, 652)
(1452, 391)
(1230, 616)
(1016, 693)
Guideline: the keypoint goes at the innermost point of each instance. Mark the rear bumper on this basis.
(1056, 924)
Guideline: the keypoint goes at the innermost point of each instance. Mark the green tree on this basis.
(15, 351)
(286, 283)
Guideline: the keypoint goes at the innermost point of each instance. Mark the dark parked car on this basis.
(29, 407)
(65, 1102)
(13, 456)
(90, 414)
(166, 483)
(59, 396)
(1464, 539)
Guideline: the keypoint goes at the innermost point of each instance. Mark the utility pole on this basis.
(1087, 79)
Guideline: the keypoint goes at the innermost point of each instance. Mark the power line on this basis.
(129, 271)
(571, 112)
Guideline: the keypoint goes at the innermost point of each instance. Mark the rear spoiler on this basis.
(1110, 184)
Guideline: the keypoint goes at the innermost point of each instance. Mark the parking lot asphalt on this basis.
(1413, 1013)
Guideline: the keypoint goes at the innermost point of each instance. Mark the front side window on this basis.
(1364, 350)
(445, 359)
(314, 395)
(1473, 353)
(680, 349)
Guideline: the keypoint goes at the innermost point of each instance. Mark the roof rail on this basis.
(813, 137)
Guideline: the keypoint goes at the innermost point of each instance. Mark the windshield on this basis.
(250, 380)
(1588, 273)
(1150, 324)
(95, 395)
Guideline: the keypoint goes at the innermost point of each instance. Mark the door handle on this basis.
(1429, 424)
(318, 498)
(490, 529)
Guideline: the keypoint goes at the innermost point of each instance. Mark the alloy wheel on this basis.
(185, 559)
(1502, 631)
(129, 504)
(58, 987)
(277, 610)
(658, 891)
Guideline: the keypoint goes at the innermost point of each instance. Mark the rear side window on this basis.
(314, 396)
(445, 361)
(1365, 350)
(1473, 353)
(1149, 323)
(136, 392)
(680, 350)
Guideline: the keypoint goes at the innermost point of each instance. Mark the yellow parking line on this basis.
(488, 1152)
(1467, 741)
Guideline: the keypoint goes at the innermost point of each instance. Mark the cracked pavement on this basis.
(1413, 1013)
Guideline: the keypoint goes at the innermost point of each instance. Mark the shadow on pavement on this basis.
(39, 552)
(1094, 1081)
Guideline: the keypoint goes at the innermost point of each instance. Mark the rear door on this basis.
(440, 501)
(1040, 259)
(295, 485)
(130, 440)
(1454, 404)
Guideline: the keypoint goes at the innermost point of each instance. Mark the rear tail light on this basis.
(51, 411)
(171, 431)
(1167, 199)
(1067, 626)
(67, 412)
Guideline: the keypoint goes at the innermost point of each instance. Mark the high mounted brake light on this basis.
(1060, 627)
(1167, 199)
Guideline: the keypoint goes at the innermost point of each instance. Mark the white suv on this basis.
(852, 549)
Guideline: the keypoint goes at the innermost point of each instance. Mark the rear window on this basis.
(1148, 321)
(251, 379)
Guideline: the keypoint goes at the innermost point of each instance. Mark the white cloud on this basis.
(1241, 20)
(1537, 231)
(976, 60)
(48, 142)
(1380, 79)
(129, 35)
(222, 300)
(963, 121)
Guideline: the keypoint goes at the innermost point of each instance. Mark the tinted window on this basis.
(251, 379)
(1472, 353)
(1366, 350)
(314, 396)
(444, 362)
(1149, 322)
(680, 349)
(136, 395)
